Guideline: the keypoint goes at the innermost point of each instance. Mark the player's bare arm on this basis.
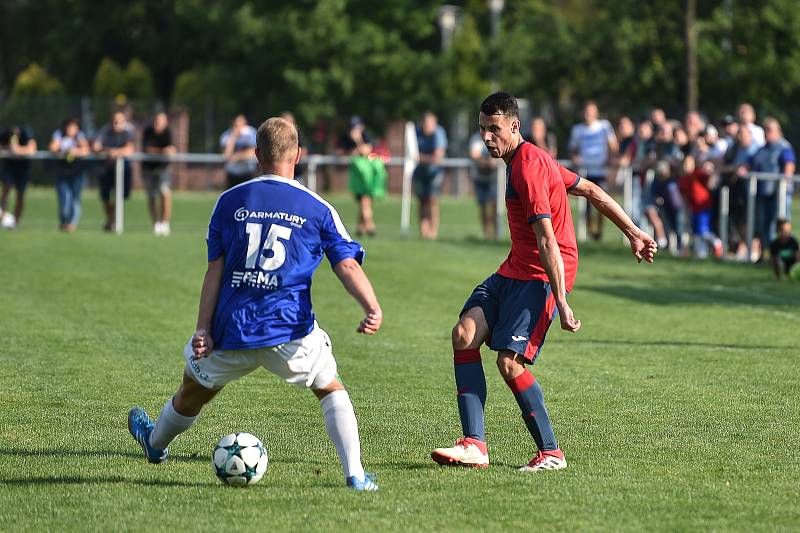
(357, 284)
(202, 343)
(642, 245)
(554, 267)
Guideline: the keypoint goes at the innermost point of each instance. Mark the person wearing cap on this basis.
(367, 174)
(730, 129)
(715, 147)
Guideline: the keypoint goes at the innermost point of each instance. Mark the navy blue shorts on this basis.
(518, 313)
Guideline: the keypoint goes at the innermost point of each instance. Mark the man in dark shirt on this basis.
(14, 172)
(784, 251)
(157, 140)
(115, 140)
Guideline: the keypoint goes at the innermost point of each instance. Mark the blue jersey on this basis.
(272, 233)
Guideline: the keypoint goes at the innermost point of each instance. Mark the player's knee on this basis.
(462, 335)
(508, 365)
(191, 397)
(334, 386)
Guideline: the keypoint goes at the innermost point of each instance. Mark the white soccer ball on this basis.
(240, 459)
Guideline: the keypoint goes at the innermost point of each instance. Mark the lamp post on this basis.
(495, 9)
(448, 17)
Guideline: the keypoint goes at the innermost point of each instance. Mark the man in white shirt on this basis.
(747, 117)
(592, 143)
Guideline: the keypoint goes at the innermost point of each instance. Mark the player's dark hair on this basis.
(781, 221)
(500, 103)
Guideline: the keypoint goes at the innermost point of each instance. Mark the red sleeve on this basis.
(532, 185)
(570, 178)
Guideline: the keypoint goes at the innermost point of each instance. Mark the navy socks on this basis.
(529, 396)
(471, 387)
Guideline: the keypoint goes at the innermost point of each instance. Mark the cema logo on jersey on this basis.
(242, 214)
(257, 280)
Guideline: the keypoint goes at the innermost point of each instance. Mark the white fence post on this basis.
(724, 212)
(410, 157)
(752, 188)
(312, 173)
(782, 191)
(119, 194)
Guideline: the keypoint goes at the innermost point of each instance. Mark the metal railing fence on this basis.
(314, 162)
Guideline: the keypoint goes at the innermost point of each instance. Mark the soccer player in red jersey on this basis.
(512, 309)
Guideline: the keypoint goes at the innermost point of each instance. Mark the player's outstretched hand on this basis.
(643, 246)
(371, 323)
(568, 320)
(202, 344)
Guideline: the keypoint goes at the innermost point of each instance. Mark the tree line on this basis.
(386, 60)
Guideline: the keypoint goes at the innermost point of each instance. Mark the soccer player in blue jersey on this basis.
(265, 239)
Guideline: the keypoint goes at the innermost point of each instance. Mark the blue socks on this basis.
(529, 396)
(471, 386)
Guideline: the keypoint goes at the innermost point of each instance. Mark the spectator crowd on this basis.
(678, 170)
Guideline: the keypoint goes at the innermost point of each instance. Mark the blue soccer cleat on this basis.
(140, 426)
(367, 484)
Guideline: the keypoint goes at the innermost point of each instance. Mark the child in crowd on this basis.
(784, 251)
(694, 185)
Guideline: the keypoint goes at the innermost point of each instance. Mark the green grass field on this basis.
(677, 404)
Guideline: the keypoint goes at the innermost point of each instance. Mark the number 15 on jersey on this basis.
(272, 244)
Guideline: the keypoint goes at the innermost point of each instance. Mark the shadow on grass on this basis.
(681, 295)
(97, 480)
(475, 241)
(685, 344)
(430, 465)
(94, 453)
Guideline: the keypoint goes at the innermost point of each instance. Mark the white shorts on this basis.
(306, 362)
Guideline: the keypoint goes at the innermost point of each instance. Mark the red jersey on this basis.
(694, 187)
(536, 188)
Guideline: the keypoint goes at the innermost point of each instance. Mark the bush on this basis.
(35, 81)
(138, 81)
(109, 81)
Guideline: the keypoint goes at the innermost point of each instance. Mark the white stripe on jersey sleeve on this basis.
(337, 220)
(226, 191)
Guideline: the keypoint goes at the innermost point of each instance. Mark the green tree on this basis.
(751, 53)
(109, 81)
(466, 65)
(34, 81)
(138, 81)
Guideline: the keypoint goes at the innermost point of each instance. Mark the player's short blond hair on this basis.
(276, 141)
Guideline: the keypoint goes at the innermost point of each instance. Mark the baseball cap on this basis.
(355, 120)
